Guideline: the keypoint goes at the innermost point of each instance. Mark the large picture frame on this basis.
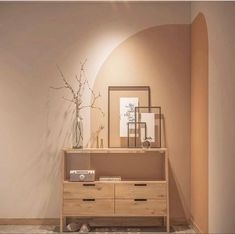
(115, 94)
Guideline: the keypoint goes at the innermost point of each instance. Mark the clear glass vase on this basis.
(78, 133)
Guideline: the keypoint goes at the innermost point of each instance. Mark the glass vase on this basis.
(78, 133)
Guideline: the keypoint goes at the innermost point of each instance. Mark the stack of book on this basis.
(110, 178)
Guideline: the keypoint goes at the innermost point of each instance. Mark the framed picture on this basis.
(122, 101)
(137, 133)
(151, 115)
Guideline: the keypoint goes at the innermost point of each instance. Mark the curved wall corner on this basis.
(160, 58)
(199, 123)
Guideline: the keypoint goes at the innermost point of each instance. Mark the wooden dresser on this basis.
(126, 198)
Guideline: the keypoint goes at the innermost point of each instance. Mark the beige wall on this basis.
(199, 123)
(158, 57)
(34, 121)
(220, 18)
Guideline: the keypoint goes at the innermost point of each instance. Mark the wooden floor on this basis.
(38, 229)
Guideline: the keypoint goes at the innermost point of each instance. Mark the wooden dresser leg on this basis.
(164, 221)
(168, 224)
(61, 224)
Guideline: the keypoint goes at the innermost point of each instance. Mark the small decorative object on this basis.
(73, 227)
(82, 175)
(151, 115)
(146, 143)
(101, 143)
(93, 139)
(136, 134)
(77, 93)
(122, 101)
(85, 228)
(97, 141)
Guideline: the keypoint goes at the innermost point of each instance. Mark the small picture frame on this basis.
(151, 115)
(136, 134)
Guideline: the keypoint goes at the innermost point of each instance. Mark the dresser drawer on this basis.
(93, 207)
(140, 207)
(140, 190)
(76, 190)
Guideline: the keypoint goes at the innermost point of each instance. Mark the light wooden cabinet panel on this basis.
(140, 207)
(141, 190)
(126, 198)
(76, 190)
(92, 207)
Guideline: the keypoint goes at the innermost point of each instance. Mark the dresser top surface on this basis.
(113, 150)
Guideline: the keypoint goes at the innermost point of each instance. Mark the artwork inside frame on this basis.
(122, 101)
(127, 113)
(151, 115)
(137, 133)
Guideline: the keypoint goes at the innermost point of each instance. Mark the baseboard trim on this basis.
(195, 227)
(30, 221)
(93, 221)
(55, 221)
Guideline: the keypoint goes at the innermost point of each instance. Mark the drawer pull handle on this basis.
(140, 184)
(88, 184)
(140, 199)
(88, 199)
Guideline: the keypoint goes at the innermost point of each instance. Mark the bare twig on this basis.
(92, 107)
(67, 85)
(77, 98)
(81, 82)
(77, 94)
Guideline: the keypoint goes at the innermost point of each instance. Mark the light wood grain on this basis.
(140, 190)
(122, 182)
(167, 190)
(150, 207)
(75, 190)
(79, 207)
(115, 198)
(112, 150)
(63, 175)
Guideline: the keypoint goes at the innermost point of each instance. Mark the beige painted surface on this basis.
(199, 123)
(158, 57)
(220, 18)
(34, 120)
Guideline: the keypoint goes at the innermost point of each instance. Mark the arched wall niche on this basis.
(199, 123)
(160, 58)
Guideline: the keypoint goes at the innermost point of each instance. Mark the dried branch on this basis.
(93, 107)
(67, 85)
(94, 96)
(77, 94)
(76, 99)
(93, 99)
(82, 73)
